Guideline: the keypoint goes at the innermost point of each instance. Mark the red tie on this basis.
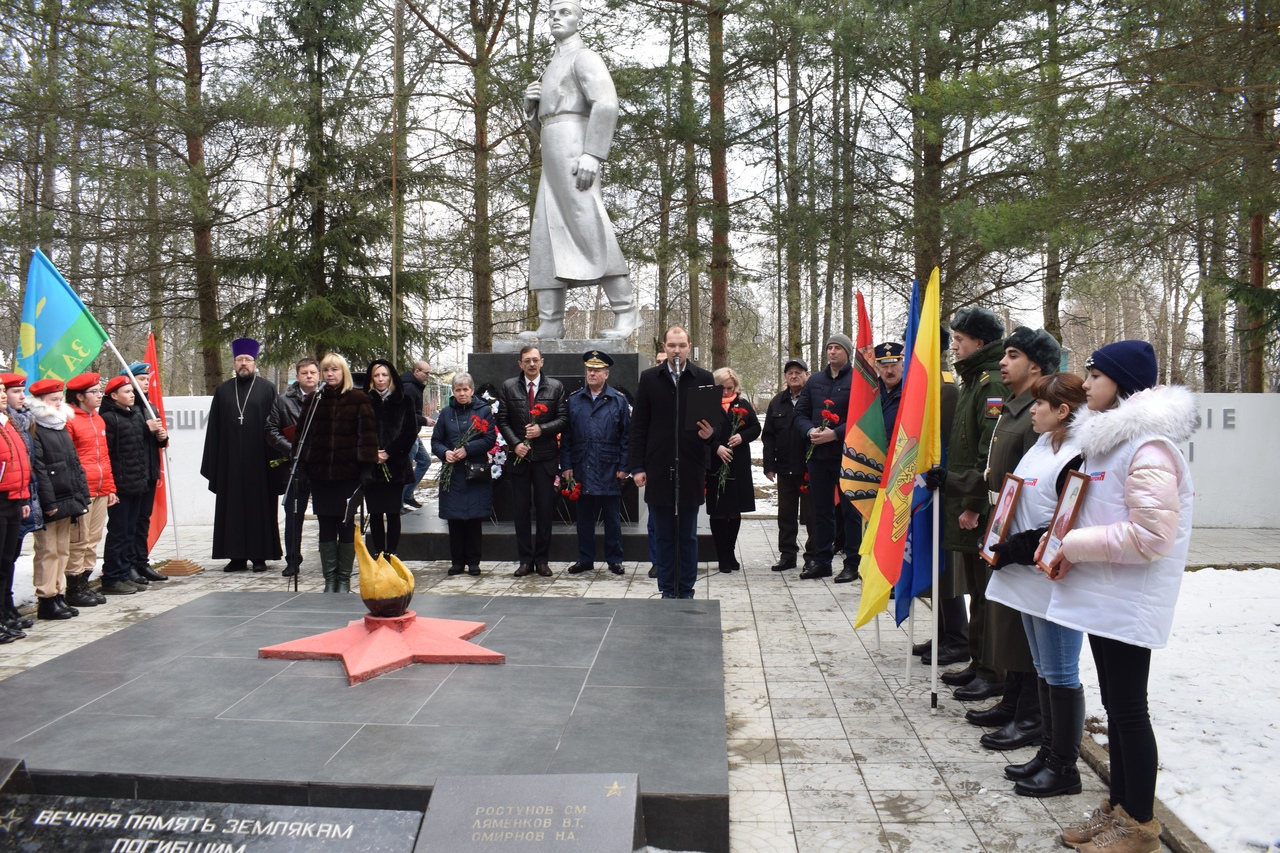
(530, 398)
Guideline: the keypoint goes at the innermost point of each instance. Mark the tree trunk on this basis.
(791, 183)
(688, 121)
(720, 259)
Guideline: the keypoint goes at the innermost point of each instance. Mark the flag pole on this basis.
(937, 604)
(911, 634)
(173, 510)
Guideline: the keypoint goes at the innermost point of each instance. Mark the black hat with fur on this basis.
(978, 323)
(1037, 345)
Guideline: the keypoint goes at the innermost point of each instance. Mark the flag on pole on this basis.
(915, 447)
(862, 460)
(917, 570)
(160, 508)
(58, 336)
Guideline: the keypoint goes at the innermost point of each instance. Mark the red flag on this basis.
(159, 510)
(862, 462)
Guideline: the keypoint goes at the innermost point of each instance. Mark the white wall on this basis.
(1235, 460)
(185, 418)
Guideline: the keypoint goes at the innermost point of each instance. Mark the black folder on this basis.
(703, 404)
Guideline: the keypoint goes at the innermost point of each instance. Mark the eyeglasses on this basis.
(97, 391)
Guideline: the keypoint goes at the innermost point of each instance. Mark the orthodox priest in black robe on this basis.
(245, 529)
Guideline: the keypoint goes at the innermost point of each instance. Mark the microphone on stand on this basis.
(676, 366)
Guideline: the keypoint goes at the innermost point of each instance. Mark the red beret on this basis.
(83, 382)
(115, 382)
(45, 386)
(13, 380)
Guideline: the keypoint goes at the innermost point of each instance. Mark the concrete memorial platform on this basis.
(180, 708)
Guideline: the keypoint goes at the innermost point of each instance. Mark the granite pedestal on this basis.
(179, 707)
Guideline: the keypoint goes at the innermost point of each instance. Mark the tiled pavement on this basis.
(831, 746)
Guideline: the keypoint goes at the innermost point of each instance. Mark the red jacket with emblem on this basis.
(15, 481)
(89, 432)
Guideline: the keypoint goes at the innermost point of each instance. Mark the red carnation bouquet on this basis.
(479, 426)
(538, 410)
(737, 417)
(830, 420)
(804, 484)
(570, 489)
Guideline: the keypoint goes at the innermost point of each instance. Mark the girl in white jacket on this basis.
(1055, 648)
(1125, 559)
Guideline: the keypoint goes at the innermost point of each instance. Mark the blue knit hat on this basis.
(1130, 364)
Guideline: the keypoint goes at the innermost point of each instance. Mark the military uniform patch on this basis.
(994, 405)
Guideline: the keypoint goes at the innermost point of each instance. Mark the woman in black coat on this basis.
(338, 444)
(397, 433)
(464, 504)
(64, 496)
(726, 502)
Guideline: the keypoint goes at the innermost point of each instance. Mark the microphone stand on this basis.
(297, 457)
(675, 471)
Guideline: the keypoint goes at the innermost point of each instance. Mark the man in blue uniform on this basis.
(593, 451)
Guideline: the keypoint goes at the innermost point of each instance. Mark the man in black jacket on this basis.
(658, 418)
(533, 441)
(414, 384)
(784, 449)
(820, 417)
(285, 413)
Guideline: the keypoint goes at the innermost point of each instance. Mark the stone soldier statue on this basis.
(574, 108)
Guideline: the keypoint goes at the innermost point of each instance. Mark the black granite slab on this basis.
(534, 814)
(179, 707)
(35, 823)
(424, 536)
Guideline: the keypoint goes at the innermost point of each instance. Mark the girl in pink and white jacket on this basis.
(1125, 556)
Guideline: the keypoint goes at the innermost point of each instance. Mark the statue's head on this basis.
(565, 17)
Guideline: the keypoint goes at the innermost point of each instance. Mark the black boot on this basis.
(1003, 711)
(47, 608)
(1059, 774)
(78, 594)
(62, 602)
(1018, 772)
(1026, 725)
(719, 537)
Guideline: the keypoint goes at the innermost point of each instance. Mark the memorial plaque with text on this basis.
(599, 813)
(44, 823)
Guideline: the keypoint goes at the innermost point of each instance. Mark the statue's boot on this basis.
(551, 315)
(623, 303)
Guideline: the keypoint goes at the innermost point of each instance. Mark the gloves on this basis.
(935, 478)
(1019, 548)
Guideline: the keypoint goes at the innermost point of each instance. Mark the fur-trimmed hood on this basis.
(1166, 410)
(48, 416)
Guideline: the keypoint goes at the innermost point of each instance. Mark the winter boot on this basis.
(1003, 711)
(1094, 824)
(551, 315)
(47, 608)
(1125, 835)
(1064, 727)
(78, 594)
(346, 560)
(622, 301)
(62, 602)
(1025, 727)
(329, 565)
(1018, 772)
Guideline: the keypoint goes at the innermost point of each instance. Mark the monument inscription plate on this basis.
(34, 823)
(531, 814)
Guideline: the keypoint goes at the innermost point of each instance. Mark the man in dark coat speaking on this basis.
(661, 449)
(235, 464)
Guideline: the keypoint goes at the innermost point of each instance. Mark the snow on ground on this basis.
(1214, 696)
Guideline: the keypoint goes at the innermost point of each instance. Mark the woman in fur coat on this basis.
(1125, 557)
(64, 496)
(338, 444)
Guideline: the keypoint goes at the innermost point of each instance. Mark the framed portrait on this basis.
(1001, 517)
(1064, 517)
